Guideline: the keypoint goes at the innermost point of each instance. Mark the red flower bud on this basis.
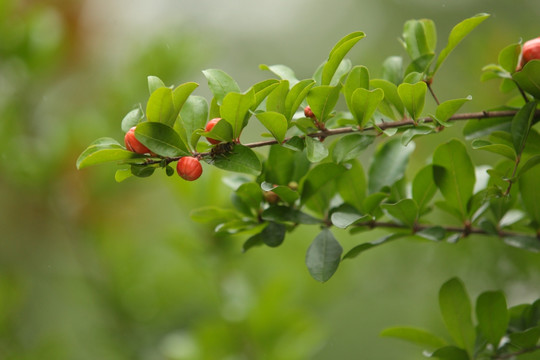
(308, 112)
(189, 168)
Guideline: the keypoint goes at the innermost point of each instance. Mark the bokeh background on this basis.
(93, 269)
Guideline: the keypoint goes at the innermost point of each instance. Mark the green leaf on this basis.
(450, 353)
(275, 122)
(220, 83)
(285, 193)
(161, 139)
(212, 214)
(122, 174)
(315, 150)
(457, 34)
(420, 65)
(160, 107)
(337, 54)
(454, 175)
(405, 211)
(296, 96)
(242, 159)
(235, 108)
(527, 339)
(317, 177)
(273, 234)
(276, 99)
(478, 128)
(448, 108)
(358, 78)
(528, 78)
(392, 69)
(529, 164)
(194, 115)
(434, 233)
(414, 335)
(372, 202)
(323, 256)
(284, 72)
(222, 131)
(413, 97)
(530, 196)
(521, 125)
(105, 150)
(389, 164)
(251, 194)
(423, 187)
(410, 134)
(509, 57)
(352, 185)
(492, 315)
(455, 308)
(322, 100)
(132, 118)
(357, 250)
(154, 83)
(364, 103)
(419, 37)
(180, 95)
(500, 149)
(261, 90)
(281, 213)
(350, 147)
(284, 165)
(344, 218)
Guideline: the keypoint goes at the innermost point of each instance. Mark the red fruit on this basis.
(209, 127)
(308, 113)
(132, 144)
(530, 51)
(189, 168)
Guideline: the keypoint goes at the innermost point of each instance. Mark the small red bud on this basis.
(189, 168)
(134, 145)
(308, 112)
(209, 126)
(530, 51)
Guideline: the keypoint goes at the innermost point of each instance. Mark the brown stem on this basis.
(432, 92)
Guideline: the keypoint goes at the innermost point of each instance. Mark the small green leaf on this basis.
(500, 149)
(281, 213)
(180, 94)
(528, 78)
(434, 233)
(154, 83)
(530, 196)
(527, 339)
(285, 193)
(285, 165)
(337, 54)
(261, 91)
(457, 34)
(194, 115)
(105, 150)
(251, 194)
(323, 256)
(275, 122)
(419, 37)
(509, 57)
(316, 151)
(492, 315)
(296, 96)
(454, 175)
(389, 164)
(364, 103)
(160, 107)
(415, 335)
(448, 108)
(413, 97)
(352, 185)
(350, 147)
(521, 125)
(235, 108)
(220, 83)
(317, 177)
(456, 311)
(450, 353)
(529, 164)
(273, 234)
(322, 100)
(405, 211)
(161, 139)
(392, 69)
(478, 128)
(212, 214)
(222, 131)
(276, 99)
(122, 174)
(132, 118)
(357, 250)
(423, 187)
(242, 159)
(358, 78)
(284, 72)
(410, 134)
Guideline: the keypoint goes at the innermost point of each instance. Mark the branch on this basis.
(520, 352)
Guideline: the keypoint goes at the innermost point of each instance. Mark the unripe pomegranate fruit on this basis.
(308, 112)
(189, 168)
(134, 145)
(530, 51)
(209, 126)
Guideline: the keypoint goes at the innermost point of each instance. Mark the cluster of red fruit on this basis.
(188, 167)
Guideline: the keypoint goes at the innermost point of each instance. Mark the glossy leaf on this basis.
(458, 33)
(194, 115)
(405, 211)
(392, 69)
(357, 250)
(528, 78)
(478, 128)
(527, 339)
(220, 83)
(453, 173)
(235, 108)
(415, 335)
(285, 193)
(322, 100)
(528, 187)
(357, 78)
(455, 308)
(423, 187)
(352, 185)
(284, 72)
(413, 97)
(323, 256)
(450, 353)
(448, 108)
(500, 149)
(251, 194)
(343, 219)
(419, 37)
(161, 139)
(160, 107)
(337, 54)
(492, 315)
(529, 164)
(154, 83)
(284, 165)
(273, 234)
(351, 146)
(105, 150)
(296, 96)
(315, 149)
(282, 213)
(433, 233)
(222, 131)
(317, 177)
(276, 99)
(364, 103)
(521, 124)
(391, 106)
(410, 134)
(242, 159)
(509, 57)
(275, 122)
(261, 91)
(389, 164)
(132, 118)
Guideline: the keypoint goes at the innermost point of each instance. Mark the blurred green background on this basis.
(92, 269)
